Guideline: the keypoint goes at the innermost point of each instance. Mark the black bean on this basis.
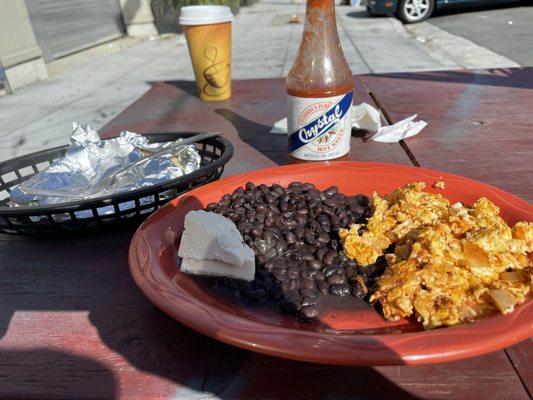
(330, 203)
(290, 237)
(268, 266)
(357, 209)
(281, 246)
(212, 206)
(307, 283)
(329, 258)
(322, 287)
(339, 290)
(314, 225)
(248, 240)
(256, 232)
(331, 270)
(271, 253)
(300, 219)
(314, 264)
(307, 186)
(319, 277)
(334, 220)
(309, 301)
(361, 198)
(332, 190)
(269, 221)
(336, 279)
(289, 223)
(310, 311)
(323, 238)
(357, 290)
(319, 254)
(258, 295)
(328, 211)
(269, 198)
(293, 272)
(260, 259)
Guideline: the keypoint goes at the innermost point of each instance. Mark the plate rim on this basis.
(378, 349)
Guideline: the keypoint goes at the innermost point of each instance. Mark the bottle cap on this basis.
(205, 15)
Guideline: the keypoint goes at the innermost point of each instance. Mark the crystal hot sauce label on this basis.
(319, 128)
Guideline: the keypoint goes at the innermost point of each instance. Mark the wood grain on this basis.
(73, 325)
(246, 120)
(479, 126)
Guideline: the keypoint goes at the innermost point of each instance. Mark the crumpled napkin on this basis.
(368, 118)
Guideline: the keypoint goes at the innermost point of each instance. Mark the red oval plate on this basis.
(342, 335)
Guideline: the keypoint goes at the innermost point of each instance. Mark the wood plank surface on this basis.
(521, 355)
(245, 120)
(480, 123)
(73, 325)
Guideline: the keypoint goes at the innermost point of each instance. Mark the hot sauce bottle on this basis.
(319, 91)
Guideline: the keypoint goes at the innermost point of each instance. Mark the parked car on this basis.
(410, 11)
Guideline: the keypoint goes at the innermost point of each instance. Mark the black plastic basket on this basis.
(125, 207)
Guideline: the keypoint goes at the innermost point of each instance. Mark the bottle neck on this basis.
(320, 68)
(320, 22)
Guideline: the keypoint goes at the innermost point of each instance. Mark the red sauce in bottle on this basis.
(320, 90)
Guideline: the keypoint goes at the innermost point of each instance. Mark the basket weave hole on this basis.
(64, 217)
(10, 177)
(105, 211)
(147, 204)
(42, 165)
(127, 205)
(4, 195)
(26, 171)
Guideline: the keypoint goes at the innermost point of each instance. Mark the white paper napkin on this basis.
(368, 118)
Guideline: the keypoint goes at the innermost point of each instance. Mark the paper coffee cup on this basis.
(208, 33)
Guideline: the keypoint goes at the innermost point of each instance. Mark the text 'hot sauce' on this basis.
(320, 91)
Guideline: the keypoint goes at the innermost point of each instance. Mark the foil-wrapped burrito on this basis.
(89, 160)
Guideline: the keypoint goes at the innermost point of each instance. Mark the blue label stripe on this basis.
(321, 124)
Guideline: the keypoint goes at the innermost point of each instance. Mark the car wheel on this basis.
(410, 11)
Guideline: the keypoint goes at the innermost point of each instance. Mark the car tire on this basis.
(412, 11)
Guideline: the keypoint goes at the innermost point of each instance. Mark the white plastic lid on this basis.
(204, 15)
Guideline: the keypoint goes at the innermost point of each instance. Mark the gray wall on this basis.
(17, 41)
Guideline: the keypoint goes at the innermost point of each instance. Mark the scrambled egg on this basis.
(450, 263)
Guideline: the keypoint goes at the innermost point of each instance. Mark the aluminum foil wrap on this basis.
(89, 160)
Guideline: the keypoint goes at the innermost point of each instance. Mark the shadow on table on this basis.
(93, 276)
(186, 86)
(257, 136)
(520, 78)
(47, 374)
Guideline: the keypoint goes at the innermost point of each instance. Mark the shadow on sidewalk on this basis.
(520, 78)
(465, 9)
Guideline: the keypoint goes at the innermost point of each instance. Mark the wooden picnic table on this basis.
(73, 325)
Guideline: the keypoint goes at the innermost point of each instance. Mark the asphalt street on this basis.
(505, 28)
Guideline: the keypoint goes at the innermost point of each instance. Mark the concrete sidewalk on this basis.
(97, 84)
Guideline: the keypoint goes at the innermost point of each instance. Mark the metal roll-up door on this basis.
(66, 26)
